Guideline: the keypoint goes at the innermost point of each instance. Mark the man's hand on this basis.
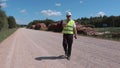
(75, 37)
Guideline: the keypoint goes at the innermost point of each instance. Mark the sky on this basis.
(25, 11)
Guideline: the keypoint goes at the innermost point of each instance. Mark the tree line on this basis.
(101, 21)
(6, 22)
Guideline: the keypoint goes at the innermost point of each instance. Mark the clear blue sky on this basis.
(26, 11)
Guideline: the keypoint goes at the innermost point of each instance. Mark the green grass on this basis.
(111, 29)
(6, 33)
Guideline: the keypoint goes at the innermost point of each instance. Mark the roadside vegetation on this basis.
(6, 33)
(7, 25)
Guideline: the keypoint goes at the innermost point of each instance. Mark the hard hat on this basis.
(68, 13)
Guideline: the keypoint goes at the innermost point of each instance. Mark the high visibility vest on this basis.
(68, 28)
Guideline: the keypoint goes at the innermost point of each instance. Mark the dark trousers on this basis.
(67, 43)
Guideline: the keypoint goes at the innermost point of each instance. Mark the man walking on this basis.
(69, 29)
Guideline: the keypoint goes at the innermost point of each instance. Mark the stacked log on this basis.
(52, 26)
(85, 30)
(59, 27)
(32, 27)
(43, 26)
(39, 26)
(56, 27)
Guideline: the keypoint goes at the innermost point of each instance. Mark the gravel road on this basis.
(40, 49)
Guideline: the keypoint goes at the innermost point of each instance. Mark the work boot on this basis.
(68, 58)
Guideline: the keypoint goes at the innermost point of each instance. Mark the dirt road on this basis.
(39, 49)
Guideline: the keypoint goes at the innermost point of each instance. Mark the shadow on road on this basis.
(50, 58)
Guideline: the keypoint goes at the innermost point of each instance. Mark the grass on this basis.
(6, 33)
(112, 30)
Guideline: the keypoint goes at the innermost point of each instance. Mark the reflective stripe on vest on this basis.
(68, 29)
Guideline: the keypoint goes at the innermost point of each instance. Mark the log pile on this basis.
(58, 26)
(85, 30)
(39, 26)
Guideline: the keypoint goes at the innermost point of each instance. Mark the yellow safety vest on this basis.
(68, 29)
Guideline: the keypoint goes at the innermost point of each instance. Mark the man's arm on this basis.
(75, 32)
